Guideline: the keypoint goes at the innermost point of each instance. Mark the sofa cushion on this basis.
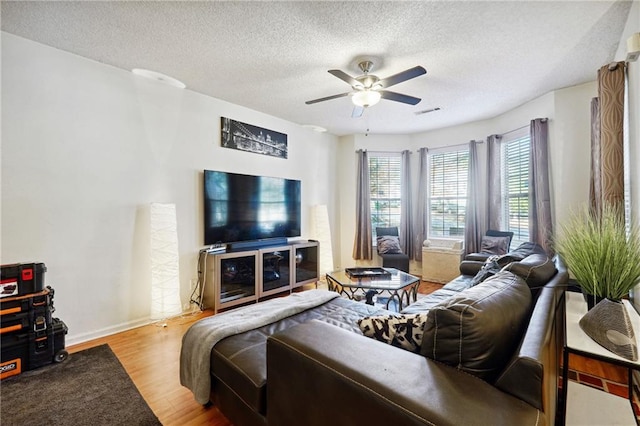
(494, 245)
(388, 244)
(526, 249)
(536, 269)
(403, 331)
(426, 302)
(423, 304)
(478, 329)
(240, 360)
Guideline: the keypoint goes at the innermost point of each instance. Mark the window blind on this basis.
(448, 175)
(515, 172)
(385, 185)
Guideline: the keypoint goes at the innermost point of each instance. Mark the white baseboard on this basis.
(74, 339)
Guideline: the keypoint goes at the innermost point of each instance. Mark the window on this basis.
(515, 185)
(448, 175)
(384, 182)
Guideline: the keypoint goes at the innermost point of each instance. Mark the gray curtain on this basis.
(473, 231)
(540, 226)
(494, 184)
(406, 207)
(421, 223)
(362, 249)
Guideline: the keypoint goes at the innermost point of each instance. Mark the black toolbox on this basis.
(21, 278)
(32, 349)
(31, 312)
(31, 337)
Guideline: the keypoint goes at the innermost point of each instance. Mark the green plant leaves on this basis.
(602, 256)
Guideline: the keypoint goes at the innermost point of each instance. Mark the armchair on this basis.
(390, 252)
(492, 246)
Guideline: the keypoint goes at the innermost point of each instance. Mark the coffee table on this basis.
(399, 285)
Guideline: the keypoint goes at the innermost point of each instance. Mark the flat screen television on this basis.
(239, 208)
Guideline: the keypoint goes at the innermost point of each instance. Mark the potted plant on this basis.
(601, 257)
(604, 258)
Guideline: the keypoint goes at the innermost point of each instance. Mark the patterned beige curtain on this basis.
(362, 249)
(607, 163)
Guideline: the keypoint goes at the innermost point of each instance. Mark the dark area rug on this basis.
(89, 388)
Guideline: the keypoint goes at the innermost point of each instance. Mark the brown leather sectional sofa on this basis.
(316, 367)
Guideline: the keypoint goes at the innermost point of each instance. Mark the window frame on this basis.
(463, 177)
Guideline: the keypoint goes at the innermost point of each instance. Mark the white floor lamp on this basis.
(165, 283)
(321, 232)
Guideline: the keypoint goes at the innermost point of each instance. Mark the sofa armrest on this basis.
(477, 257)
(319, 374)
(470, 267)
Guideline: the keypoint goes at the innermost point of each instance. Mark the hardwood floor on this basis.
(151, 356)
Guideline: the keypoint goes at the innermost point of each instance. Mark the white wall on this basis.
(86, 147)
(633, 26)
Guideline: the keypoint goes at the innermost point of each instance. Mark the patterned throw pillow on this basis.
(389, 244)
(403, 331)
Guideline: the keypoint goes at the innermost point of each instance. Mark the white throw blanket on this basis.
(197, 342)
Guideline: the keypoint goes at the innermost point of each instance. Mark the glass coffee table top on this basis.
(400, 286)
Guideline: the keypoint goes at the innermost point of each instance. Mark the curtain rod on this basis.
(515, 130)
(458, 145)
(385, 152)
(520, 128)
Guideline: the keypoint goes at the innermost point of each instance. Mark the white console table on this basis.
(584, 405)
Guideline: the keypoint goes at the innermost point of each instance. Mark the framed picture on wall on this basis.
(246, 137)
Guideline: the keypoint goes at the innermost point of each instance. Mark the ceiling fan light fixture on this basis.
(366, 98)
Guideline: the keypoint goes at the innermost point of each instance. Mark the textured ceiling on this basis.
(482, 58)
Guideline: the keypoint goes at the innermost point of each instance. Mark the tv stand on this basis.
(255, 244)
(247, 275)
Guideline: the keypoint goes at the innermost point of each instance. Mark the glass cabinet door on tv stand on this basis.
(276, 270)
(235, 280)
(307, 264)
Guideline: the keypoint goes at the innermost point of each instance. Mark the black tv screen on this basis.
(241, 207)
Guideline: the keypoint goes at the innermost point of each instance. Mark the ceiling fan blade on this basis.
(328, 98)
(426, 111)
(399, 97)
(357, 111)
(345, 77)
(402, 76)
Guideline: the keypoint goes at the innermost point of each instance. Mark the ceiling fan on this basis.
(368, 89)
